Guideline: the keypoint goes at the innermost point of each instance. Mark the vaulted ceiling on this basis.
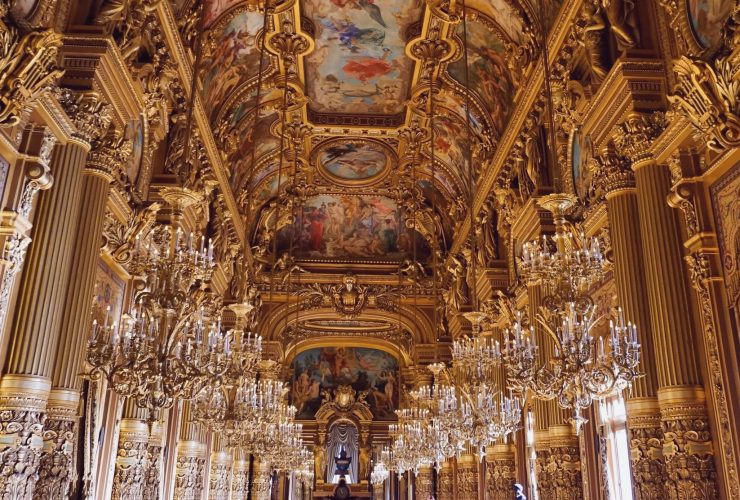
(357, 74)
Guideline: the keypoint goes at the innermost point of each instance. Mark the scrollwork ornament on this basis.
(446, 484)
(219, 481)
(131, 467)
(13, 257)
(700, 276)
(90, 114)
(57, 466)
(634, 136)
(646, 454)
(153, 472)
(189, 477)
(467, 482)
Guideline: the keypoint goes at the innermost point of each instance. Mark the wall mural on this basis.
(353, 160)
(326, 368)
(488, 75)
(135, 134)
(214, 8)
(707, 20)
(232, 57)
(359, 63)
(726, 200)
(109, 292)
(356, 227)
(581, 154)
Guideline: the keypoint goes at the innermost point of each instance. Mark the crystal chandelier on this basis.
(380, 472)
(166, 347)
(582, 367)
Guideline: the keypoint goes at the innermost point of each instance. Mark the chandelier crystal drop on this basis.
(380, 472)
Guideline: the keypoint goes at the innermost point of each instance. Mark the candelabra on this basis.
(159, 353)
(581, 367)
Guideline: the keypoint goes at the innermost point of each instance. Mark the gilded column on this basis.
(446, 481)
(687, 447)
(240, 476)
(424, 483)
(261, 481)
(191, 459)
(220, 476)
(61, 432)
(25, 386)
(153, 478)
(500, 471)
(643, 414)
(467, 477)
(564, 468)
(132, 458)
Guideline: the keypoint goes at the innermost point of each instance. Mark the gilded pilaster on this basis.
(446, 487)
(424, 482)
(153, 478)
(131, 460)
(676, 359)
(261, 481)
(500, 471)
(190, 470)
(220, 476)
(616, 178)
(240, 476)
(564, 467)
(467, 477)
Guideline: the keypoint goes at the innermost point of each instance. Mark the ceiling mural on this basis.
(359, 63)
(353, 161)
(257, 142)
(487, 75)
(232, 56)
(351, 227)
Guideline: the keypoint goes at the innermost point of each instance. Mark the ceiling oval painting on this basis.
(353, 161)
(359, 65)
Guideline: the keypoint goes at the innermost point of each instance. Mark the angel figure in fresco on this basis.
(367, 5)
(366, 68)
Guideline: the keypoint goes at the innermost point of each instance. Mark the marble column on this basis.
(190, 466)
(240, 476)
(153, 478)
(424, 483)
(34, 335)
(446, 489)
(687, 447)
(500, 471)
(220, 477)
(132, 458)
(467, 477)
(617, 180)
(261, 481)
(61, 432)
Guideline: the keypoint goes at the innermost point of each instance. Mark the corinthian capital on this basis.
(612, 172)
(108, 155)
(90, 114)
(634, 136)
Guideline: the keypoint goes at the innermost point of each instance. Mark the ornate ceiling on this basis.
(354, 123)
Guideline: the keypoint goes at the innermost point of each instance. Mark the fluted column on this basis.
(467, 477)
(61, 432)
(240, 476)
(132, 458)
(153, 478)
(500, 471)
(424, 483)
(220, 477)
(645, 434)
(191, 458)
(261, 481)
(24, 388)
(446, 489)
(687, 446)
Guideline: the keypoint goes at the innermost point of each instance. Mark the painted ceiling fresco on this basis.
(356, 70)
(326, 368)
(354, 160)
(351, 227)
(359, 64)
(487, 74)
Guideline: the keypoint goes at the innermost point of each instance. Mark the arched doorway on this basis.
(342, 435)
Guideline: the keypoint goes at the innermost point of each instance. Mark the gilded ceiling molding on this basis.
(182, 62)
